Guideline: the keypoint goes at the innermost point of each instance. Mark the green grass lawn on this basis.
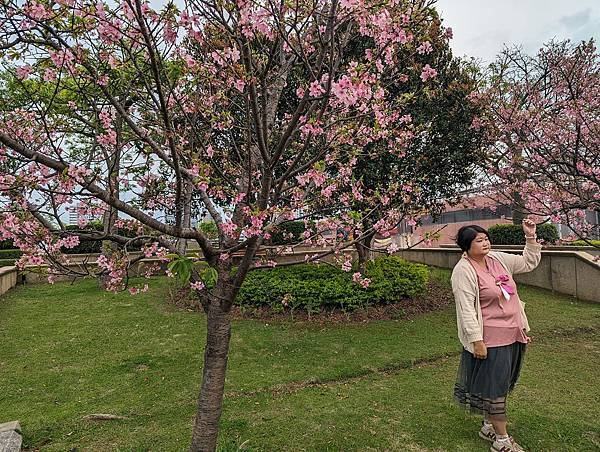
(71, 350)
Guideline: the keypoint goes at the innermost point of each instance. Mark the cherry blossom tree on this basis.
(544, 125)
(247, 110)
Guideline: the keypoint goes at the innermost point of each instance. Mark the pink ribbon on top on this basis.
(507, 290)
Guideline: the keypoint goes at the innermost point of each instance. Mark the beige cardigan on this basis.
(466, 290)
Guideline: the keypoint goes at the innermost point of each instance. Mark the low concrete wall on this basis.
(569, 272)
(87, 269)
(584, 249)
(8, 278)
(85, 264)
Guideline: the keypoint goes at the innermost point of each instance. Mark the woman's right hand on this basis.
(479, 350)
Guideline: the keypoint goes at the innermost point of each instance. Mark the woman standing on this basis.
(492, 327)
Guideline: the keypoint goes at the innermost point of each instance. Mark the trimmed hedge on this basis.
(512, 234)
(88, 247)
(583, 243)
(95, 246)
(7, 262)
(7, 245)
(279, 237)
(314, 287)
(209, 228)
(91, 247)
(10, 254)
(8, 250)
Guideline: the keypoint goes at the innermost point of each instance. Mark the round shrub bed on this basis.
(393, 278)
(312, 287)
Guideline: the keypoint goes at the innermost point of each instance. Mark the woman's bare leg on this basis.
(499, 427)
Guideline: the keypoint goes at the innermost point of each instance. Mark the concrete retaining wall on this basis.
(84, 264)
(8, 278)
(569, 272)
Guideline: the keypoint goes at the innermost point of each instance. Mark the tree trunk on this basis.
(109, 220)
(518, 211)
(517, 207)
(111, 215)
(210, 401)
(364, 252)
(108, 247)
(187, 217)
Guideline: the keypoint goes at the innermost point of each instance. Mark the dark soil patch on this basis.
(437, 297)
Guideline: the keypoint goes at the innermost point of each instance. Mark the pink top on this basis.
(502, 320)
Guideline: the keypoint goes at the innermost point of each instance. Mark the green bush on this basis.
(95, 225)
(209, 228)
(7, 262)
(280, 236)
(95, 246)
(393, 278)
(10, 254)
(314, 287)
(87, 247)
(305, 286)
(7, 245)
(512, 234)
(8, 251)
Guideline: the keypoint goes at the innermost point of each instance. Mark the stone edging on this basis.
(10, 436)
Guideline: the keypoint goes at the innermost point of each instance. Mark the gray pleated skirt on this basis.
(482, 385)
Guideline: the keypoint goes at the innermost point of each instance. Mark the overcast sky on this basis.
(482, 27)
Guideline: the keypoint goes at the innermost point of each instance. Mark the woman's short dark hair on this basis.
(467, 234)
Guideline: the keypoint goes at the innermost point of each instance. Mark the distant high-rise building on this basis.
(73, 217)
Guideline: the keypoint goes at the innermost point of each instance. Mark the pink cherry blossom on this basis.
(49, 75)
(425, 48)
(550, 138)
(37, 11)
(239, 85)
(23, 72)
(427, 73)
(229, 229)
(347, 265)
(316, 89)
(197, 285)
